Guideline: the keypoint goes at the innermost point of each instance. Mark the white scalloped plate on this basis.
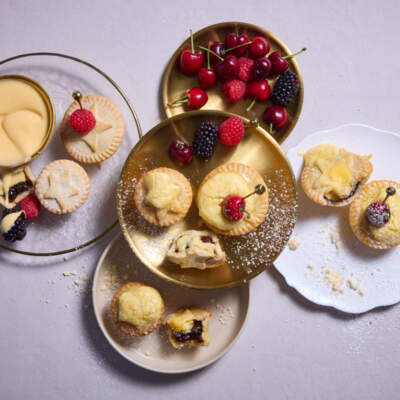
(371, 278)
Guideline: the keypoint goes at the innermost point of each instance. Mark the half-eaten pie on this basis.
(196, 249)
(189, 327)
(332, 176)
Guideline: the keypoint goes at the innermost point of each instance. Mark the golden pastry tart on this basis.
(15, 185)
(196, 249)
(332, 176)
(231, 179)
(103, 140)
(137, 309)
(378, 237)
(189, 327)
(163, 196)
(62, 186)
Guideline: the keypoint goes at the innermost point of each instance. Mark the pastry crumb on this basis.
(334, 280)
(69, 273)
(335, 238)
(310, 266)
(294, 243)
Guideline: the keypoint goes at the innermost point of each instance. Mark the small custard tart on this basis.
(163, 196)
(103, 140)
(332, 176)
(231, 179)
(189, 327)
(137, 309)
(378, 237)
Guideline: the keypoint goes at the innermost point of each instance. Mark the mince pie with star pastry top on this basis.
(62, 186)
(331, 176)
(103, 140)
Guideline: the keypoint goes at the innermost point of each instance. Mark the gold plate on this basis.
(247, 255)
(175, 83)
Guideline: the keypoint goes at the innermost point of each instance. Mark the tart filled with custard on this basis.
(137, 309)
(163, 196)
(332, 176)
(227, 202)
(375, 214)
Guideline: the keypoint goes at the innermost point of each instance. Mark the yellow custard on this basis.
(24, 121)
(161, 190)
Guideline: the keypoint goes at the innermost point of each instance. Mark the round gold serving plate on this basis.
(175, 84)
(247, 255)
(49, 106)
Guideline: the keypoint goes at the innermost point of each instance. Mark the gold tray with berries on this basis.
(240, 68)
(207, 199)
(60, 156)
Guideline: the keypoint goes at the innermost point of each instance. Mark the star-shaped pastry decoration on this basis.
(61, 188)
(91, 138)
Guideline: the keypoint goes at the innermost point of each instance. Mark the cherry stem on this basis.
(77, 96)
(237, 30)
(243, 210)
(271, 130)
(251, 104)
(390, 191)
(182, 100)
(237, 46)
(208, 57)
(212, 52)
(295, 54)
(191, 40)
(259, 189)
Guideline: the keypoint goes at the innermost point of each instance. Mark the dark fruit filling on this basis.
(206, 239)
(336, 199)
(17, 189)
(18, 230)
(194, 334)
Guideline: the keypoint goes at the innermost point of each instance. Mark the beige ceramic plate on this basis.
(247, 255)
(229, 308)
(175, 83)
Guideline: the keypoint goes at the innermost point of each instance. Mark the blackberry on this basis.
(286, 87)
(18, 229)
(205, 140)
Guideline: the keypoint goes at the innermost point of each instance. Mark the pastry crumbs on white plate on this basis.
(294, 243)
(334, 280)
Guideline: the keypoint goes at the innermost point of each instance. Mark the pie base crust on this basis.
(358, 221)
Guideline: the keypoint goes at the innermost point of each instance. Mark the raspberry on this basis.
(233, 90)
(31, 206)
(245, 68)
(205, 140)
(285, 89)
(82, 121)
(231, 131)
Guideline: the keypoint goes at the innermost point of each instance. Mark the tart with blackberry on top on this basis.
(196, 249)
(137, 309)
(92, 128)
(189, 327)
(375, 214)
(233, 199)
(163, 196)
(332, 176)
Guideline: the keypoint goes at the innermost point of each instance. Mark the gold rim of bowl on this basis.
(268, 34)
(50, 109)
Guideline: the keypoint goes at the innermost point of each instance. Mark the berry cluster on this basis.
(206, 136)
(242, 66)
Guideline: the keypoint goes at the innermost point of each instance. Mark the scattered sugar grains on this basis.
(225, 313)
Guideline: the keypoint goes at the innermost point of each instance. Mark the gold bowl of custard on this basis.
(27, 120)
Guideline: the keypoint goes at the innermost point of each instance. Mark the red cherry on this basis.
(233, 40)
(275, 116)
(279, 63)
(207, 78)
(219, 49)
(233, 207)
(180, 152)
(229, 68)
(261, 69)
(190, 61)
(195, 98)
(259, 47)
(257, 90)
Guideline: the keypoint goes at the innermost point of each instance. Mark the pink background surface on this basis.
(290, 348)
